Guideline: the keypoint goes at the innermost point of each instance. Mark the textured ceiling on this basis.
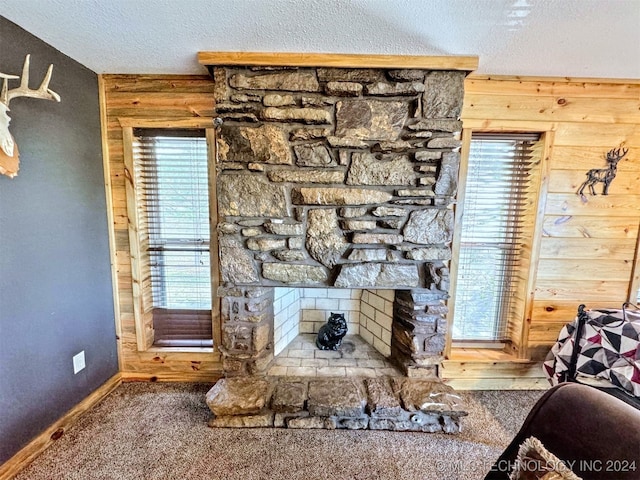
(577, 38)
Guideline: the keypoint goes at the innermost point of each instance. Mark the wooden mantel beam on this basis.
(343, 60)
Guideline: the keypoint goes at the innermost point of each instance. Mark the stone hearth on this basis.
(381, 403)
(355, 358)
(336, 178)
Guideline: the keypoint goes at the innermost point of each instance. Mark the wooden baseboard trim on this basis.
(534, 383)
(39, 444)
(474, 374)
(178, 377)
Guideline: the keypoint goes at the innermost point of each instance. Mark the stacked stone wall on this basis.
(343, 178)
(247, 330)
(336, 177)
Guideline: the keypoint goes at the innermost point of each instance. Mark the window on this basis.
(495, 234)
(173, 233)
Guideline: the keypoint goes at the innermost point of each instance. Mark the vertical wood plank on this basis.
(457, 234)
(212, 152)
(144, 328)
(634, 285)
(542, 189)
(106, 166)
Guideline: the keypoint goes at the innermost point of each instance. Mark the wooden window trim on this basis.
(634, 286)
(518, 347)
(143, 318)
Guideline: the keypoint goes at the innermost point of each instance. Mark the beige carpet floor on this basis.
(149, 431)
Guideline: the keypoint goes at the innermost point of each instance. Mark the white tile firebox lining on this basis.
(368, 313)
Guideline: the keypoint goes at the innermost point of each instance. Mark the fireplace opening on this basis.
(300, 312)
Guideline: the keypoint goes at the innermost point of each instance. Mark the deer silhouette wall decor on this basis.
(9, 156)
(603, 175)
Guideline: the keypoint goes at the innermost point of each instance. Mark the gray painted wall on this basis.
(55, 281)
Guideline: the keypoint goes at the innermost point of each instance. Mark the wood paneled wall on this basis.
(131, 99)
(588, 249)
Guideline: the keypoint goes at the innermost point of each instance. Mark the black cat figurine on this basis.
(331, 333)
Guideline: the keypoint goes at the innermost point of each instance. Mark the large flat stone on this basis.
(309, 133)
(382, 401)
(443, 95)
(304, 115)
(250, 196)
(236, 264)
(294, 81)
(359, 224)
(277, 100)
(338, 196)
(313, 155)
(365, 75)
(310, 423)
(418, 422)
(325, 241)
(437, 124)
(294, 273)
(306, 176)
(351, 423)
(341, 397)
(352, 212)
(377, 275)
(264, 144)
(444, 142)
(447, 183)
(397, 146)
(368, 254)
(290, 255)
(389, 89)
(429, 226)
(389, 212)
(377, 238)
(284, 228)
(429, 253)
(421, 296)
(347, 142)
(265, 244)
(406, 75)
(370, 119)
(344, 89)
(238, 396)
(428, 396)
(261, 337)
(427, 156)
(366, 169)
(260, 420)
(289, 396)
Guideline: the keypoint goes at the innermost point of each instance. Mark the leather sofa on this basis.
(595, 434)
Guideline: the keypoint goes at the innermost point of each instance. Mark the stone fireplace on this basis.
(335, 179)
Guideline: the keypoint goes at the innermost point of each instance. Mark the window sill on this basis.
(489, 355)
(182, 349)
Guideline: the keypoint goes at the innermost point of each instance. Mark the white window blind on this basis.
(173, 202)
(493, 235)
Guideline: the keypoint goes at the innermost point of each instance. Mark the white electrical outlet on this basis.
(78, 362)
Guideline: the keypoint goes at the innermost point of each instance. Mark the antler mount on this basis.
(43, 91)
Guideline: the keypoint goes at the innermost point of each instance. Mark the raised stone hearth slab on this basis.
(238, 396)
(382, 403)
